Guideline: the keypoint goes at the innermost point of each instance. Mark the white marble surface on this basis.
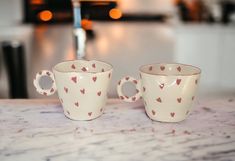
(37, 130)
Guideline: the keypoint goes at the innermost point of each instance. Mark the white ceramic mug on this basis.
(82, 87)
(168, 90)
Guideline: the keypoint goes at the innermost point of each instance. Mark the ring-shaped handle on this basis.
(137, 86)
(46, 92)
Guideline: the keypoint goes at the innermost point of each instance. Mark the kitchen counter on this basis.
(38, 130)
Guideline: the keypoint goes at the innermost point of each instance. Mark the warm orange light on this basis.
(115, 13)
(86, 24)
(45, 15)
(37, 2)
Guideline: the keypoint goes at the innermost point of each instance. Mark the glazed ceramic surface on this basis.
(82, 87)
(168, 90)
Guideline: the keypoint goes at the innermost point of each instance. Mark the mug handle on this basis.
(39, 89)
(137, 86)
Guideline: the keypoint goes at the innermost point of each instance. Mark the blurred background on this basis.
(37, 34)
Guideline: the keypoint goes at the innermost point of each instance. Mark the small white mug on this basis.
(82, 87)
(168, 90)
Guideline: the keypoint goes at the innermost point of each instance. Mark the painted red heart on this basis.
(82, 91)
(144, 89)
(121, 97)
(48, 73)
(178, 81)
(74, 79)
(161, 86)
(133, 98)
(44, 93)
(66, 89)
(150, 68)
(109, 75)
(193, 98)
(179, 68)
(76, 104)
(159, 99)
(93, 65)
(89, 113)
(102, 70)
(84, 69)
(153, 112)
(126, 97)
(172, 114)
(73, 66)
(127, 78)
(94, 78)
(179, 100)
(52, 90)
(99, 93)
(162, 68)
(135, 81)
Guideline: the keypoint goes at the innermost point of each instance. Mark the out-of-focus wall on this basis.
(11, 12)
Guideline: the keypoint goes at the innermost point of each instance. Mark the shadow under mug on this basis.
(82, 87)
(168, 90)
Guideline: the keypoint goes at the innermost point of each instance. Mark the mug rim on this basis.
(158, 74)
(87, 72)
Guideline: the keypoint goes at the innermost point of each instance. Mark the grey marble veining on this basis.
(38, 130)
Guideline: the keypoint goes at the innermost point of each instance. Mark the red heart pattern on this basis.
(66, 89)
(52, 90)
(159, 100)
(121, 97)
(153, 112)
(150, 68)
(82, 91)
(99, 93)
(135, 81)
(93, 65)
(172, 114)
(162, 68)
(144, 89)
(89, 113)
(133, 98)
(48, 73)
(127, 78)
(73, 66)
(94, 78)
(178, 81)
(179, 68)
(74, 79)
(179, 100)
(84, 69)
(161, 86)
(76, 104)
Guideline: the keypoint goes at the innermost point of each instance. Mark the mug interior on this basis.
(91, 66)
(170, 69)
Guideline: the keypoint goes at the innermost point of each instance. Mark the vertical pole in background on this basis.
(79, 33)
(14, 57)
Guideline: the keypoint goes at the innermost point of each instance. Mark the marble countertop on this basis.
(38, 130)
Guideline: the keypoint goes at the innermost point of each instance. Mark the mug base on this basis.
(82, 119)
(167, 120)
